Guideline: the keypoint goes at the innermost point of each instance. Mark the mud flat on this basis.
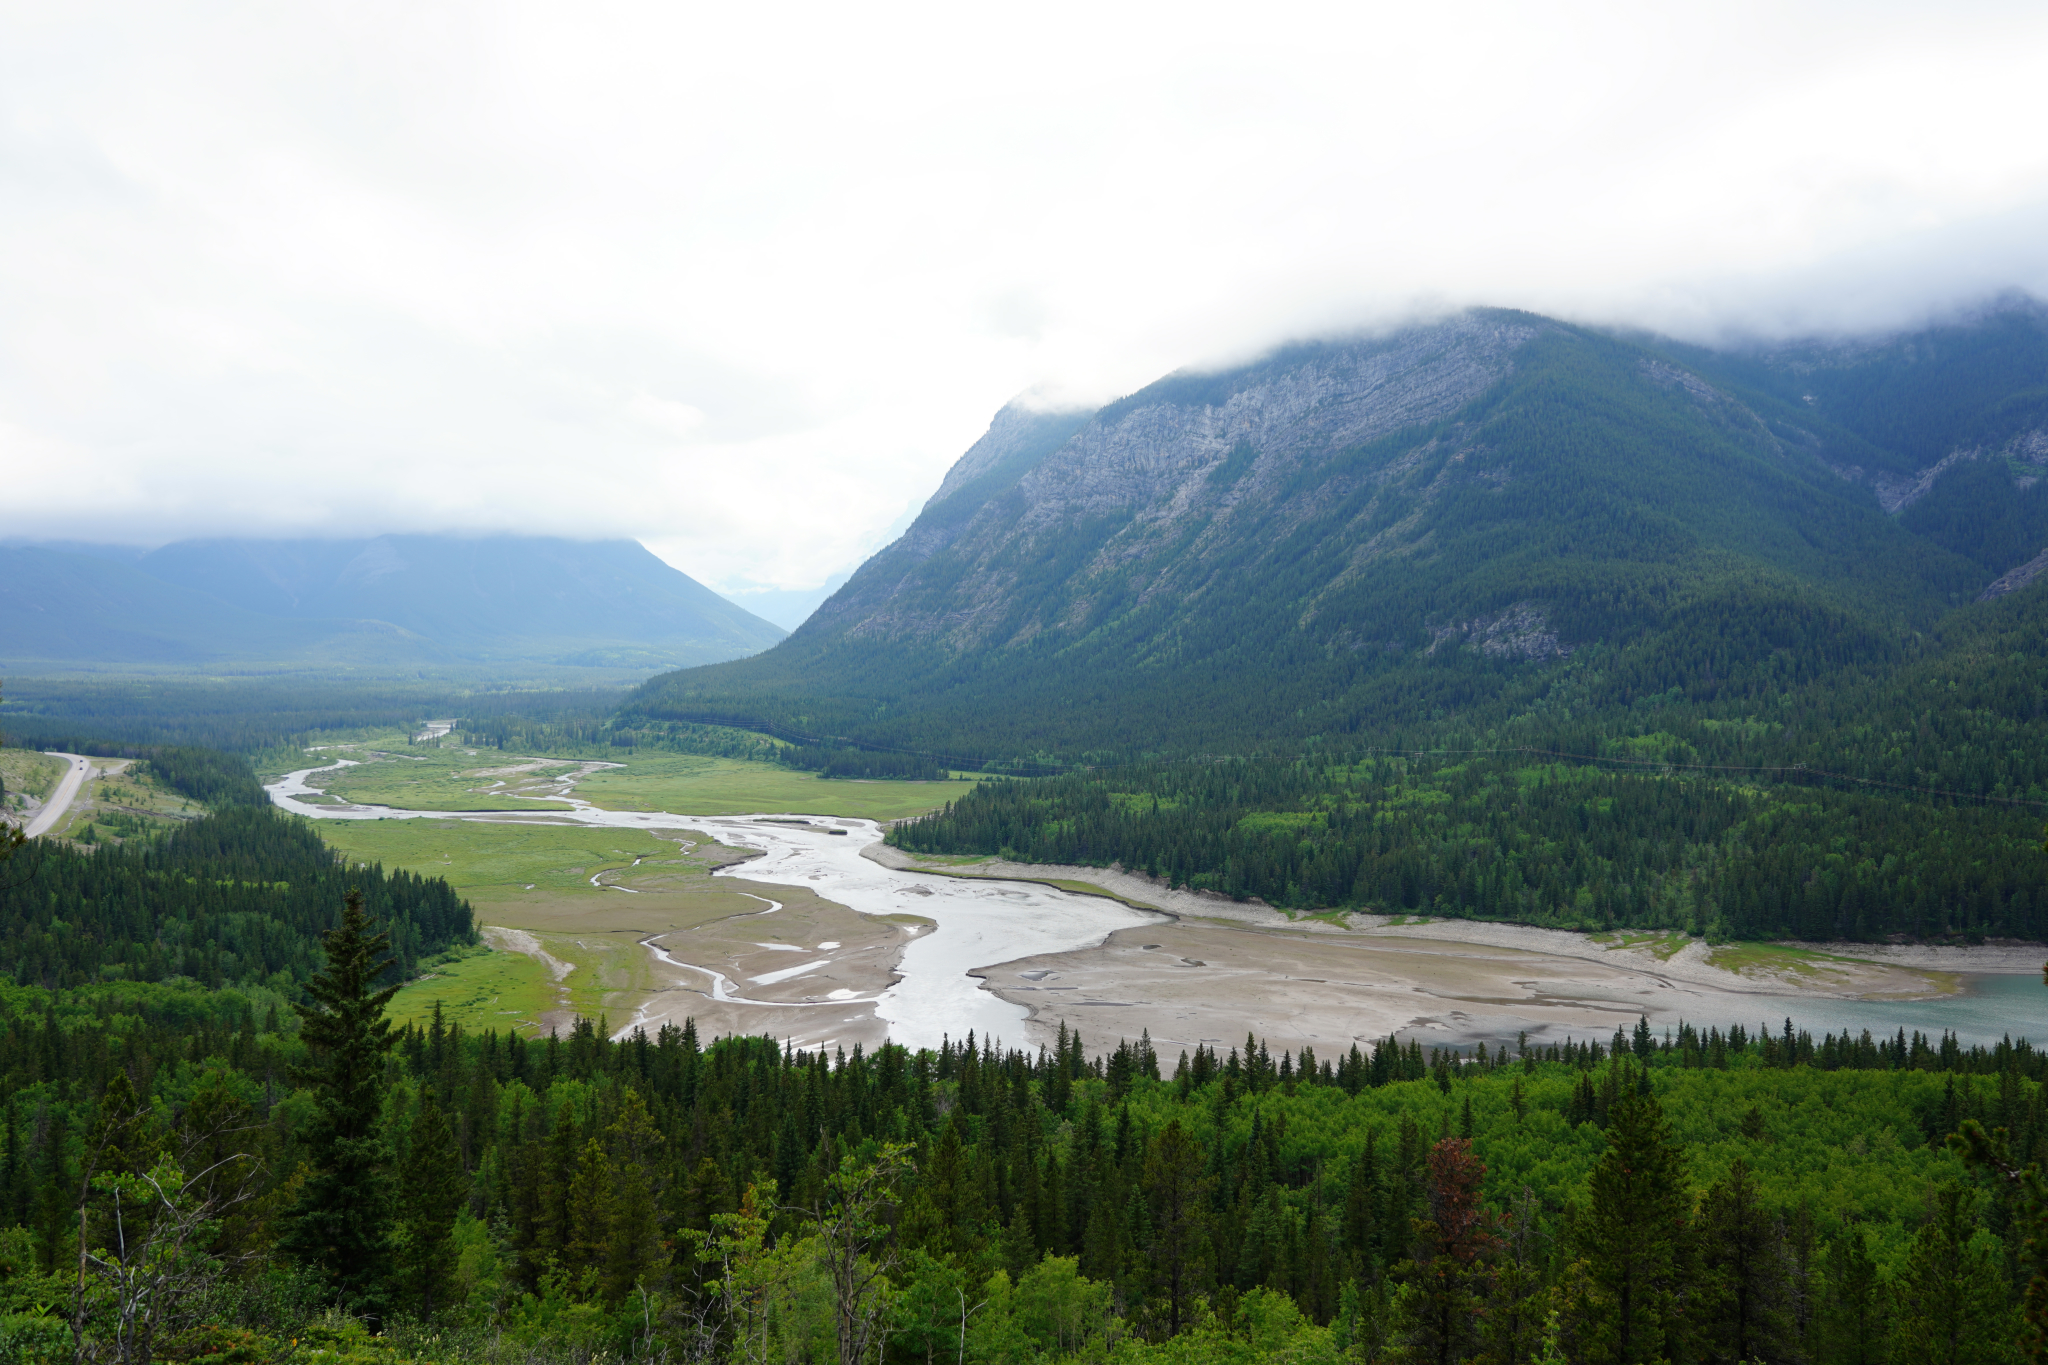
(1223, 969)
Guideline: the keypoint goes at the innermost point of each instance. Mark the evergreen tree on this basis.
(1515, 1314)
(340, 1225)
(590, 1212)
(1634, 1240)
(632, 1237)
(1745, 1284)
(433, 1188)
(1177, 1187)
(1853, 1326)
(1362, 1210)
(553, 1227)
(1447, 1279)
(2026, 1194)
(1951, 1295)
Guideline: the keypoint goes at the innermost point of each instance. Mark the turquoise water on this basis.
(1989, 1008)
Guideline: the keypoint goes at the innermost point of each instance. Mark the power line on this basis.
(1799, 769)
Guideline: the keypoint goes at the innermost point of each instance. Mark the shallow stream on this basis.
(984, 923)
(977, 923)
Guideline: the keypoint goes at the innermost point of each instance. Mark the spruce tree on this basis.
(1448, 1277)
(341, 1222)
(590, 1214)
(632, 1235)
(1854, 1329)
(1634, 1239)
(1176, 1182)
(434, 1187)
(552, 1223)
(1951, 1296)
(1746, 1282)
(1362, 1211)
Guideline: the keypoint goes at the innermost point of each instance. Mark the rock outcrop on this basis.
(2014, 579)
(1152, 491)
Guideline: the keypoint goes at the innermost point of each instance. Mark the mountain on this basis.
(382, 601)
(1453, 522)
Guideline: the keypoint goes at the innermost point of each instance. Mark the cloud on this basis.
(742, 282)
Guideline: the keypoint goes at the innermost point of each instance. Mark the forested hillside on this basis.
(1763, 1197)
(1453, 522)
(236, 898)
(1518, 838)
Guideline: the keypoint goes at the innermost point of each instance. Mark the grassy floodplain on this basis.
(389, 772)
(727, 786)
(481, 988)
(536, 879)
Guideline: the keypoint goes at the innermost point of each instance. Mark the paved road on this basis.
(60, 799)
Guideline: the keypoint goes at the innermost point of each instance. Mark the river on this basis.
(1989, 1007)
(981, 923)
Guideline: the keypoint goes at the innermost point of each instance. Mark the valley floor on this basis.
(630, 924)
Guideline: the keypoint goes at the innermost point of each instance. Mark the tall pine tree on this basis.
(1746, 1277)
(341, 1223)
(433, 1188)
(1634, 1239)
(1952, 1302)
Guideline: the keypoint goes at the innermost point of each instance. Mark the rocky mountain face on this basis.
(1344, 527)
(1158, 487)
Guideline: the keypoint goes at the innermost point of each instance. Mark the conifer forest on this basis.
(245, 1161)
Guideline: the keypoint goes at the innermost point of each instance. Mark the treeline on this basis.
(1502, 838)
(1738, 673)
(251, 715)
(238, 897)
(207, 776)
(1764, 1197)
(608, 731)
(846, 761)
(602, 730)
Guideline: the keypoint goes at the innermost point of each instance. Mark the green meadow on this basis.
(388, 772)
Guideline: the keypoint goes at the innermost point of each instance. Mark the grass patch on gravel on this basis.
(508, 860)
(388, 772)
(688, 784)
(483, 989)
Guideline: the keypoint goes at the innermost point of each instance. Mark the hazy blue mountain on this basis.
(389, 599)
(91, 549)
(1388, 531)
(63, 608)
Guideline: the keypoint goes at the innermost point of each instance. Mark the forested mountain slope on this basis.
(1447, 524)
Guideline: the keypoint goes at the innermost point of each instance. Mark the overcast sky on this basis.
(741, 281)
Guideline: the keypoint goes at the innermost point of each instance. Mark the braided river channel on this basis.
(979, 923)
(982, 923)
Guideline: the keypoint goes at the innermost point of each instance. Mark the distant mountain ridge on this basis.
(1382, 531)
(374, 601)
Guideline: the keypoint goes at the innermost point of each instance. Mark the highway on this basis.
(61, 799)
